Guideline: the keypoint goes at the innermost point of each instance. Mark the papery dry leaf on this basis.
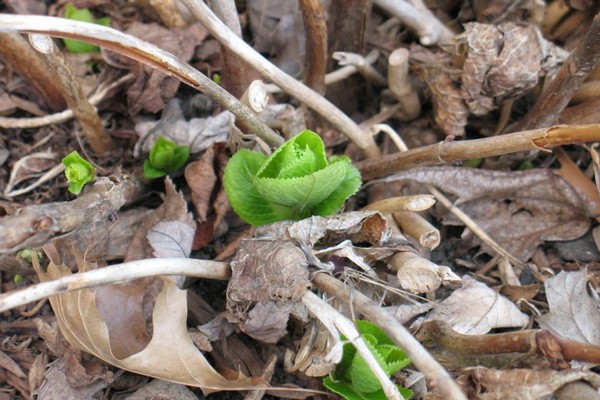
(518, 209)
(573, 312)
(262, 272)
(151, 87)
(162, 390)
(406, 312)
(267, 321)
(520, 384)
(174, 208)
(476, 309)
(198, 133)
(201, 178)
(55, 385)
(358, 226)
(171, 239)
(170, 354)
(418, 275)
(312, 354)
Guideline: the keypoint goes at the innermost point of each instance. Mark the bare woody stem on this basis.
(316, 44)
(568, 79)
(443, 152)
(290, 85)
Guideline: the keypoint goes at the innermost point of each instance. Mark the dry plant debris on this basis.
(475, 250)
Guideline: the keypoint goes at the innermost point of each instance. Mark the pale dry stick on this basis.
(400, 84)
(51, 173)
(337, 75)
(145, 53)
(416, 202)
(255, 97)
(429, 29)
(290, 85)
(72, 92)
(63, 116)
(113, 274)
(414, 225)
(168, 13)
(443, 152)
(436, 375)
(334, 321)
(364, 68)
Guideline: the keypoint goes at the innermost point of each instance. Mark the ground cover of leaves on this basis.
(498, 280)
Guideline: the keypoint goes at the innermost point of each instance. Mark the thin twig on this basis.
(436, 375)
(443, 152)
(72, 92)
(429, 29)
(290, 85)
(145, 53)
(566, 81)
(116, 274)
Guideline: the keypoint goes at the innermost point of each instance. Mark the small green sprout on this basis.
(27, 255)
(18, 278)
(295, 182)
(84, 15)
(78, 172)
(165, 157)
(352, 377)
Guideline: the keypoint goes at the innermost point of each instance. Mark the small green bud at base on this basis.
(77, 171)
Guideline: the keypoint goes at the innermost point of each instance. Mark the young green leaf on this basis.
(78, 172)
(352, 377)
(165, 157)
(84, 15)
(295, 182)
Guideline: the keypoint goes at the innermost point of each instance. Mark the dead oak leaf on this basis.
(573, 312)
(518, 209)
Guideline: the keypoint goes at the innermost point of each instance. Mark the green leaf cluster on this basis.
(165, 157)
(77, 171)
(84, 15)
(295, 182)
(352, 377)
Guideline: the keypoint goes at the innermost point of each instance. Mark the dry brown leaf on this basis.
(518, 209)
(170, 354)
(171, 239)
(476, 309)
(359, 227)
(162, 390)
(55, 385)
(267, 271)
(519, 384)
(152, 88)
(201, 178)
(573, 312)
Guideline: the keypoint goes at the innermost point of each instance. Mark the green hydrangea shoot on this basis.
(78, 172)
(165, 157)
(352, 377)
(84, 15)
(295, 182)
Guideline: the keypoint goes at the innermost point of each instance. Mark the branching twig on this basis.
(145, 53)
(442, 152)
(565, 83)
(116, 274)
(429, 29)
(436, 375)
(290, 85)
